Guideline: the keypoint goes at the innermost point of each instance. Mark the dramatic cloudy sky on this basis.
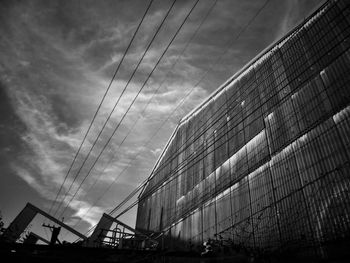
(56, 60)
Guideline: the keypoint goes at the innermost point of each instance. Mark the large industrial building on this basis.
(264, 161)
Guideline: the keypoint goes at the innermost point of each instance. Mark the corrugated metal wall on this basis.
(265, 162)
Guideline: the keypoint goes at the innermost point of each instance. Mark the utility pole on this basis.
(55, 232)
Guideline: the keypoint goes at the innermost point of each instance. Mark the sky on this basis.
(56, 61)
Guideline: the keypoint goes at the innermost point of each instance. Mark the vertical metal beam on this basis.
(19, 224)
(101, 228)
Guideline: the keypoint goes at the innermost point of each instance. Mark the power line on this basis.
(213, 65)
(99, 106)
(125, 114)
(115, 105)
(205, 74)
(216, 62)
(163, 123)
(144, 84)
(186, 96)
(145, 181)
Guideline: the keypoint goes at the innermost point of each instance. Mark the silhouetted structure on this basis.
(23, 219)
(263, 163)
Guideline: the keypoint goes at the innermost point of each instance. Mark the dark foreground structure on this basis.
(263, 163)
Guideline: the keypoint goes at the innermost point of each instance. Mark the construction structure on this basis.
(121, 243)
(263, 163)
(122, 235)
(23, 219)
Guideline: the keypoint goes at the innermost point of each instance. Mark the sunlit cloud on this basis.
(81, 208)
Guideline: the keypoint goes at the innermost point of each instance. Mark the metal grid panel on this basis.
(297, 88)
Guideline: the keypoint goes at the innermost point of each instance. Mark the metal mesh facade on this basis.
(265, 160)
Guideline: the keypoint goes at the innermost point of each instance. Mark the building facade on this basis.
(264, 161)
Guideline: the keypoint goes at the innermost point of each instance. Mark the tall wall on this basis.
(265, 160)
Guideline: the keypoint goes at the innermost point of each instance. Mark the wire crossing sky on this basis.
(156, 131)
(56, 62)
(98, 108)
(134, 99)
(114, 107)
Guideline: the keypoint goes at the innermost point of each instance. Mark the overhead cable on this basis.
(143, 111)
(216, 62)
(205, 74)
(133, 101)
(100, 104)
(114, 107)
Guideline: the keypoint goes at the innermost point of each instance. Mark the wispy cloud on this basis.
(57, 59)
